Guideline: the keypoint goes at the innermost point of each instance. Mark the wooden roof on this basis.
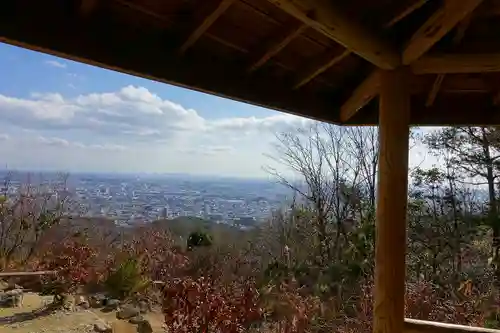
(316, 58)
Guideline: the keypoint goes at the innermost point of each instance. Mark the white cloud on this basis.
(134, 113)
(55, 63)
(133, 129)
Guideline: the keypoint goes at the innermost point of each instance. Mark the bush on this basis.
(200, 305)
(126, 280)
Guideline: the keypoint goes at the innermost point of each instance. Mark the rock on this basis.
(14, 292)
(136, 320)
(127, 312)
(102, 327)
(144, 307)
(68, 302)
(144, 327)
(97, 300)
(112, 304)
(4, 285)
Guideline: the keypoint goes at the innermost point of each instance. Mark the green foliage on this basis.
(198, 239)
(126, 280)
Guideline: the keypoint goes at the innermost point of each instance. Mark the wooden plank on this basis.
(405, 12)
(333, 23)
(321, 66)
(457, 63)
(361, 96)
(434, 90)
(392, 192)
(36, 273)
(205, 24)
(424, 326)
(437, 26)
(278, 44)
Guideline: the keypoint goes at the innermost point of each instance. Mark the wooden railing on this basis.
(37, 273)
(423, 326)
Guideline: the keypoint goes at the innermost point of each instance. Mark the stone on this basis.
(97, 300)
(102, 327)
(144, 327)
(4, 285)
(112, 304)
(144, 307)
(14, 292)
(136, 320)
(127, 312)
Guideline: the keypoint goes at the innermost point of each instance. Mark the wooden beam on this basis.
(392, 193)
(438, 25)
(457, 63)
(434, 90)
(36, 273)
(333, 23)
(321, 66)
(278, 43)
(461, 29)
(459, 35)
(361, 96)
(205, 24)
(424, 326)
(405, 12)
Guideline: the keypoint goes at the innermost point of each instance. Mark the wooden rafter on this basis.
(205, 24)
(361, 96)
(277, 44)
(321, 66)
(333, 23)
(459, 35)
(405, 12)
(333, 58)
(438, 25)
(434, 90)
(457, 63)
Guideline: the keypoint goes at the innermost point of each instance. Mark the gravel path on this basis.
(33, 317)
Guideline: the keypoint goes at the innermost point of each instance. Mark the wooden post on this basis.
(390, 248)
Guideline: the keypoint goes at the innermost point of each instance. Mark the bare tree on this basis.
(336, 168)
(27, 212)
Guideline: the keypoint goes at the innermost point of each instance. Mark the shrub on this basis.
(73, 260)
(198, 239)
(200, 305)
(126, 280)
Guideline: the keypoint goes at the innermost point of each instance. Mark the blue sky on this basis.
(58, 114)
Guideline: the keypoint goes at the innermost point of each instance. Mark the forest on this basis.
(309, 268)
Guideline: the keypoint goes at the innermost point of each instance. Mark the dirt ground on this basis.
(35, 317)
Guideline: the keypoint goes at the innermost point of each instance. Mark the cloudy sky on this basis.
(61, 115)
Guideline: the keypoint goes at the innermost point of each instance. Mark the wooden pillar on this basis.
(392, 191)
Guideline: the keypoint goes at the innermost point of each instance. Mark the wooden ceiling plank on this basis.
(405, 12)
(434, 90)
(437, 26)
(321, 66)
(205, 24)
(459, 35)
(278, 44)
(361, 96)
(457, 63)
(322, 16)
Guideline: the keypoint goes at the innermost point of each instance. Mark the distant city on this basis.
(132, 199)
